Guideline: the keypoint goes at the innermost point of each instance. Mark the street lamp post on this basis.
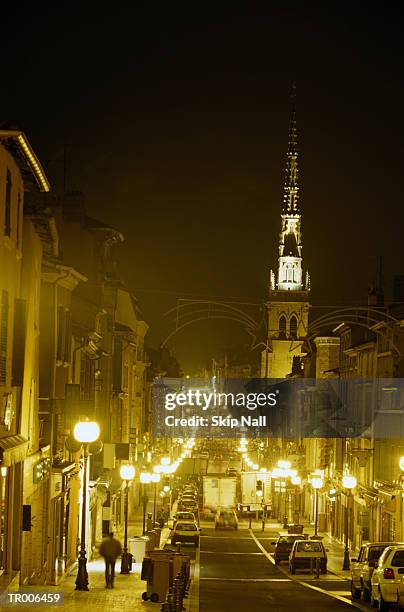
(155, 478)
(127, 473)
(296, 482)
(317, 483)
(84, 432)
(145, 478)
(284, 471)
(349, 483)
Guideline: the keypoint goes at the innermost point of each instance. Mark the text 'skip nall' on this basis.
(209, 400)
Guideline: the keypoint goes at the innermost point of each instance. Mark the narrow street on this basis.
(236, 574)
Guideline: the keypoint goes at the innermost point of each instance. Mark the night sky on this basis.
(175, 126)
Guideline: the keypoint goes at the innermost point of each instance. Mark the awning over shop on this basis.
(13, 449)
(387, 500)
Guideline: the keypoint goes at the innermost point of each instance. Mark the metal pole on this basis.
(125, 565)
(154, 502)
(315, 511)
(82, 575)
(285, 516)
(144, 508)
(346, 563)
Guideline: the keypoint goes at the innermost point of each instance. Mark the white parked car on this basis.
(305, 554)
(387, 577)
(185, 532)
(362, 567)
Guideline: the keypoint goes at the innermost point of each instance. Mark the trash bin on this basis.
(157, 532)
(152, 540)
(137, 547)
(179, 560)
(157, 570)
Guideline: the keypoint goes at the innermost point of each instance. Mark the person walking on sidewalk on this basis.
(110, 549)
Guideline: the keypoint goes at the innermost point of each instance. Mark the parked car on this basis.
(184, 516)
(185, 531)
(284, 545)
(226, 518)
(188, 496)
(304, 555)
(387, 576)
(188, 505)
(362, 568)
(189, 491)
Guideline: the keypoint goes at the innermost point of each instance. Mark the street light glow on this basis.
(349, 482)
(127, 472)
(165, 461)
(402, 464)
(317, 482)
(155, 477)
(86, 431)
(145, 477)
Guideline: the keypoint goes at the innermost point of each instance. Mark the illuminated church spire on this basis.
(291, 185)
(290, 272)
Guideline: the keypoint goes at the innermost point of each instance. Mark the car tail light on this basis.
(388, 573)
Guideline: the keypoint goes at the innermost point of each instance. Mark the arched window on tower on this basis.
(282, 328)
(293, 327)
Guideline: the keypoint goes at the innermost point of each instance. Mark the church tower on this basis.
(288, 304)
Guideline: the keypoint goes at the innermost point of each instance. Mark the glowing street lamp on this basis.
(401, 463)
(155, 478)
(349, 483)
(145, 478)
(85, 432)
(127, 473)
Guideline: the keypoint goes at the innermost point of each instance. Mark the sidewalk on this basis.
(126, 596)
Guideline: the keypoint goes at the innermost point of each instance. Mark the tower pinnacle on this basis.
(291, 184)
(290, 272)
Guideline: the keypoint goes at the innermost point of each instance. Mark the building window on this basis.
(3, 337)
(282, 328)
(7, 216)
(293, 327)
